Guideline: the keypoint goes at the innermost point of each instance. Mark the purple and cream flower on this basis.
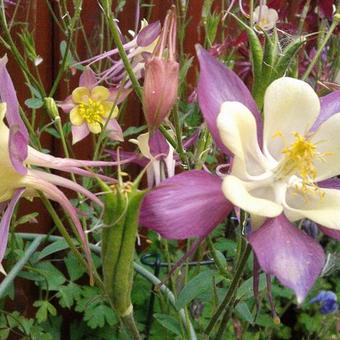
(280, 173)
(93, 107)
(21, 173)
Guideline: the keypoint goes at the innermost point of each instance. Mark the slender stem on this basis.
(20, 264)
(129, 323)
(168, 136)
(109, 16)
(322, 45)
(226, 303)
(180, 148)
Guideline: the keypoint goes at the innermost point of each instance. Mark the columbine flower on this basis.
(275, 175)
(92, 107)
(158, 150)
(20, 174)
(142, 45)
(265, 17)
(328, 302)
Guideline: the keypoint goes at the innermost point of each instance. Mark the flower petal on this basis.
(148, 34)
(6, 221)
(80, 95)
(290, 105)
(100, 93)
(79, 132)
(114, 130)
(87, 78)
(239, 193)
(75, 118)
(322, 207)
(187, 205)
(110, 111)
(237, 129)
(289, 254)
(327, 140)
(218, 84)
(94, 127)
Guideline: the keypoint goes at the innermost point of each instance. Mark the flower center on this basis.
(92, 111)
(299, 160)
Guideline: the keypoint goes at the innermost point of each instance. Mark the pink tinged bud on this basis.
(149, 34)
(160, 90)
(161, 75)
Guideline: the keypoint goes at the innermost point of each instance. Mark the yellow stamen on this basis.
(92, 112)
(299, 160)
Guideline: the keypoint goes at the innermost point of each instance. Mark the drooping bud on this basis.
(161, 75)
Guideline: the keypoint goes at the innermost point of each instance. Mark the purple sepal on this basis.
(79, 132)
(330, 105)
(88, 78)
(8, 95)
(134, 157)
(114, 130)
(330, 232)
(18, 139)
(187, 205)
(216, 85)
(6, 221)
(149, 34)
(18, 150)
(289, 254)
(158, 144)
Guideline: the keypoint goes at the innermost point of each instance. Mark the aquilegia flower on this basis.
(20, 175)
(328, 301)
(265, 17)
(279, 173)
(93, 107)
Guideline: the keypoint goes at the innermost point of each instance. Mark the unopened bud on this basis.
(161, 75)
(160, 90)
(51, 107)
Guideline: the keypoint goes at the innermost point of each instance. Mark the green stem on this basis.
(20, 264)
(110, 20)
(129, 323)
(226, 303)
(180, 148)
(322, 45)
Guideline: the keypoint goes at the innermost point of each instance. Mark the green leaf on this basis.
(198, 285)
(97, 315)
(246, 289)
(68, 295)
(53, 278)
(134, 130)
(29, 218)
(44, 309)
(53, 132)
(243, 310)
(168, 322)
(74, 269)
(53, 248)
(34, 103)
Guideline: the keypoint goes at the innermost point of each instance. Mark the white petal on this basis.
(322, 209)
(327, 140)
(290, 105)
(237, 128)
(237, 192)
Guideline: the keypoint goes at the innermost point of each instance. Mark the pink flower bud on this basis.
(160, 90)
(161, 75)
